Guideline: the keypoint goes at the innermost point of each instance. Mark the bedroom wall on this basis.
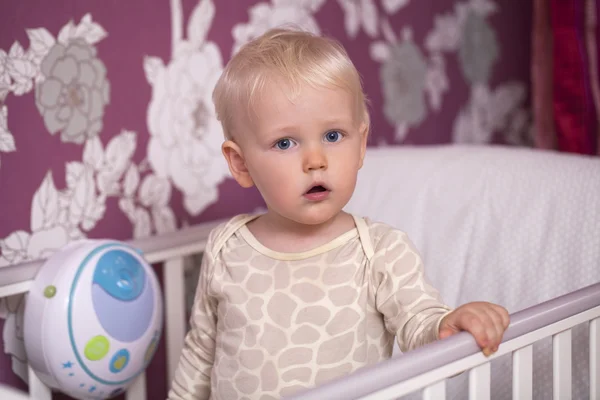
(107, 128)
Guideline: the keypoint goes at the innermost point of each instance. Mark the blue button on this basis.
(120, 275)
(119, 361)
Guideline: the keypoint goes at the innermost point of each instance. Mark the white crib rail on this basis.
(429, 366)
(169, 248)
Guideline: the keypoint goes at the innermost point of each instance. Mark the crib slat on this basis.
(561, 352)
(137, 390)
(595, 359)
(479, 382)
(173, 273)
(523, 373)
(37, 389)
(437, 391)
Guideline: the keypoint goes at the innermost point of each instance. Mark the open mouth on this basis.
(316, 189)
(317, 193)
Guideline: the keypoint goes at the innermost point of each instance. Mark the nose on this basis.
(315, 159)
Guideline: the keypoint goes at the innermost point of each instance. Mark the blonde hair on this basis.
(296, 57)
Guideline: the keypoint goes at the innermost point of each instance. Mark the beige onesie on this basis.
(267, 324)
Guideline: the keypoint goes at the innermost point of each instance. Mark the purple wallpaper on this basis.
(107, 127)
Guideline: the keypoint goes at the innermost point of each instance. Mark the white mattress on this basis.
(511, 226)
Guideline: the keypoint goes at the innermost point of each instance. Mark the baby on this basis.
(306, 292)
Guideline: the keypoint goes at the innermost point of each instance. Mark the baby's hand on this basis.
(485, 321)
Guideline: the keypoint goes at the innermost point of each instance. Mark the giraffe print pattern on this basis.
(266, 324)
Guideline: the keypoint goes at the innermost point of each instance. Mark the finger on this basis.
(472, 323)
(486, 330)
(495, 327)
(505, 316)
(487, 320)
(446, 332)
(501, 319)
(448, 326)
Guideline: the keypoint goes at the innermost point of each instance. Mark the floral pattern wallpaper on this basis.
(107, 127)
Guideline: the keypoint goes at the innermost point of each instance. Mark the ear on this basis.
(237, 164)
(364, 132)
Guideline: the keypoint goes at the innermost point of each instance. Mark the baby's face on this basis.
(304, 156)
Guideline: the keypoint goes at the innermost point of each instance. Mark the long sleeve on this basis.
(192, 377)
(411, 307)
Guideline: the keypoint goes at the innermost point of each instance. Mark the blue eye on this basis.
(333, 136)
(284, 144)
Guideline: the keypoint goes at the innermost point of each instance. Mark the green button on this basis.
(50, 291)
(150, 350)
(96, 348)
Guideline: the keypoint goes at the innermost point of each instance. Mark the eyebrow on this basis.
(335, 120)
(279, 132)
(329, 122)
(285, 130)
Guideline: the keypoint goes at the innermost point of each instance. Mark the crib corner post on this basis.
(595, 358)
(175, 311)
(37, 389)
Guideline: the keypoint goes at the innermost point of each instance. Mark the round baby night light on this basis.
(93, 319)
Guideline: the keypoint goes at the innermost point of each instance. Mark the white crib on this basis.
(418, 178)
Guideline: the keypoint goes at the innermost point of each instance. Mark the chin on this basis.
(317, 218)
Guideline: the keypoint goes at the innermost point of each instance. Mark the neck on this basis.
(281, 225)
(281, 234)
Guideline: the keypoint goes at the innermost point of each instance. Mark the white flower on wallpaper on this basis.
(490, 111)
(467, 32)
(116, 175)
(147, 207)
(16, 72)
(448, 28)
(436, 80)
(360, 13)
(393, 6)
(5, 79)
(74, 91)
(19, 70)
(186, 137)
(277, 13)
(7, 142)
(70, 88)
(406, 76)
(479, 49)
(61, 215)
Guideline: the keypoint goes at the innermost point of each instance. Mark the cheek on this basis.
(277, 191)
(346, 171)
(272, 179)
(348, 178)
(346, 159)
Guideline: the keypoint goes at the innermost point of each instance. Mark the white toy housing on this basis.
(93, 318)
